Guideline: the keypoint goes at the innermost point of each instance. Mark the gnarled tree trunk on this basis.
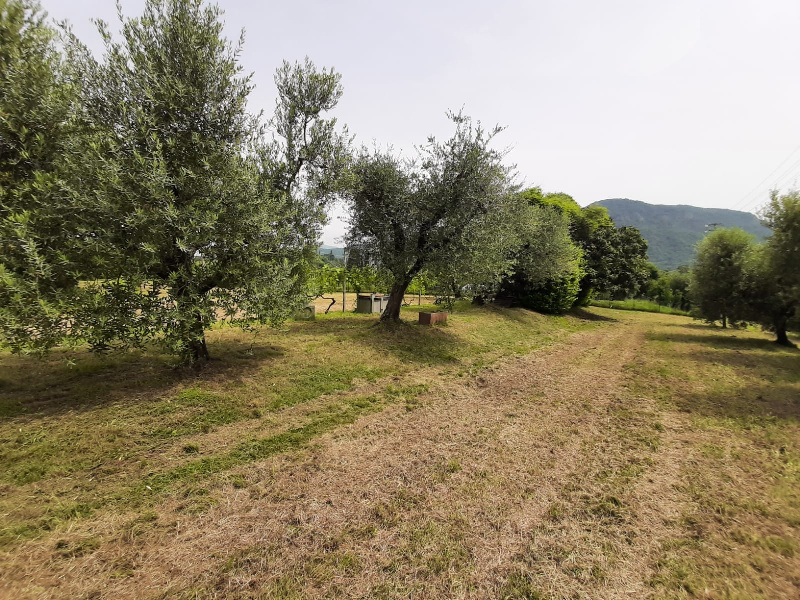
(392, 310)
(198, 350)
(193, 337)
(196, 344)
(780, 332)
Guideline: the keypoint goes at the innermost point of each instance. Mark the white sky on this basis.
(680, 102)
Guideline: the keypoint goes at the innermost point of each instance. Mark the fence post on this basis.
(344, 283)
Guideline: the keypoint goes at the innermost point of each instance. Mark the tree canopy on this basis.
(717, 284)
(142, 201)
(614, 261)
(736, 279)
(772, 275)
(36, 259)
(443, 213)
(176, 210)
(548, 266)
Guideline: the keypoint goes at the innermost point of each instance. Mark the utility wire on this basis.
(760, 183)
(778, 182)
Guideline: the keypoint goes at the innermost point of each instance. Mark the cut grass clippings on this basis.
(645, 456)
(80, 432)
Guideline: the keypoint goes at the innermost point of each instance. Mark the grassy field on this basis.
(503, 455)
(640, 305)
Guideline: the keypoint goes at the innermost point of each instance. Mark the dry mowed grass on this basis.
(507, 454)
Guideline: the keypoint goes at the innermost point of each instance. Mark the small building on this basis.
(371, 303)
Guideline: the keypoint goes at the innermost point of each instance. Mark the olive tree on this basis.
(484, 257)
(307, 157)
(191, 215)
(442, 213)
(36, 262)
(772, 276)
(782, 215)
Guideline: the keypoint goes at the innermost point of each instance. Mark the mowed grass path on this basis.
(81, 433)
(506, 455)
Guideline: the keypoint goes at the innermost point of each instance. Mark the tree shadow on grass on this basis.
(334, 324)
(585, 315)
(81, 380)
(696, 325)
(773, 372)
(751, 405)
(730, 331)
(724, 341)
(417, 344)
(778, 365)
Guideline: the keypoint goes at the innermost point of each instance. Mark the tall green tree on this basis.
(36, 264)
(717, 285)
(547, 264)
(773, 273)
(442, 213)
(679, 283)
(615, 261)
(670, 288)
(191, 216)
(659, 290)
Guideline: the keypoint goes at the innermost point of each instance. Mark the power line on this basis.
(760, 183)
(787, 175)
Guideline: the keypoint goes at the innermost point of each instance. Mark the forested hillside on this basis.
(672, 231)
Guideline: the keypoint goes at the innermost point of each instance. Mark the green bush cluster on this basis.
(554, 296)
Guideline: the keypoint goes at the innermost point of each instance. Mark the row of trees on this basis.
(612, 261)
(542, 250)
(670, 288)
(737, 280)
(141, 200)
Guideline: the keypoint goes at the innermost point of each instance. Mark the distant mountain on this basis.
(337, 252)
(672, 231)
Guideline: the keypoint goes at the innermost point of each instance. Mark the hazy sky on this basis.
(693, 102)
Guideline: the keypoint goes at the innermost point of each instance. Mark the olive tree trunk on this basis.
(392, 310)
(193, 330)
(781, 336)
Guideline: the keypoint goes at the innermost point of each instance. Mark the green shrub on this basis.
(555, 296)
